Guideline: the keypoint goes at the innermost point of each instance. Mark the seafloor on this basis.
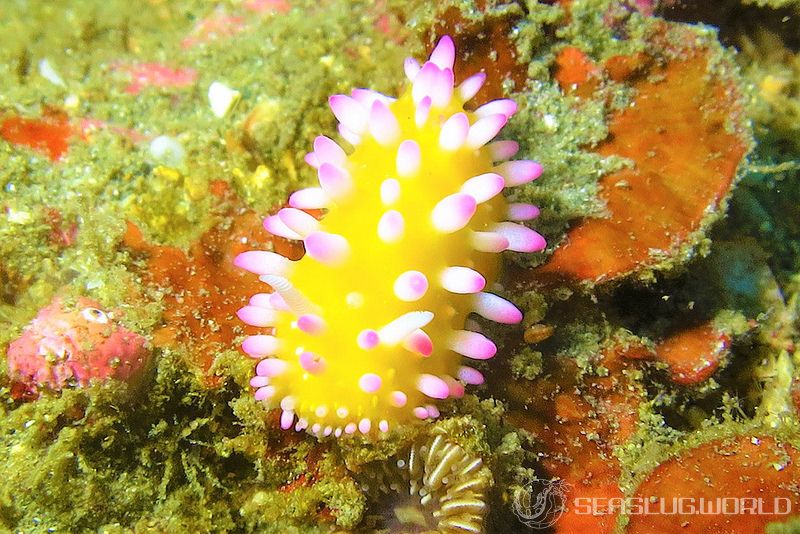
(657, 357)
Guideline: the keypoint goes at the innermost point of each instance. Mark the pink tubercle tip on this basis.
(497, 309)
(422, 112)
(488, 241)
(264, 393)
(424, 81)
(299, 222)
(260, 345)
(519, 172)
(370, 383)
(410, 286)
(454, 132)
(470, 376)
(503, 106)
(433, 386)
(277, 302)
(262, 300)
(398, 329)
(453, 212)
(408, 158)
(473, 345)
(484, 130)
(484, 186)
(271, 367)
(257, 316)
(383, 124)
(462, 280)
(391, 226)
(444, 54)
(433, 411)
(390, 191)
(328, 151)
(522, 212)
(502, 150)
(470, 87)
(420, 412)
(398, 399)
(312, 363)
(411, 67)
(350, 428)
(349, 112)
(259, 381)
(334, 180)
(456, 388)
(441, 90)
(287, 418)
(364, 425)
(311, 324)
(368, 339)
(521, 238)
(274, 225)
(331, 249)
(262, 262)
(419, 342)
(383, 426)
(310, 198)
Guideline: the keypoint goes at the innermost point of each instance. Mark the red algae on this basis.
(48, 135)
(741, 469)
(676, 132)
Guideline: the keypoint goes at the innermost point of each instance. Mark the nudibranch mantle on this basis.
(367, 330)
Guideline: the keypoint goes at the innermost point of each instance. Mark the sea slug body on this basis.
(367, 330)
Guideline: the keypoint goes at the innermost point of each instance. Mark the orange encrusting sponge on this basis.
(369, 324)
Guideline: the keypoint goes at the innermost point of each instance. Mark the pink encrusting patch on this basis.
(158, 75)
(67, 346)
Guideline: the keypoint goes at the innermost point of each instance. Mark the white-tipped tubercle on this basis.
(472, 345)
(310, 198)
(327, 151)
(370, 383)
(520, 238)
(454, 132)
(312, 363)
(422, 112)
(410, 286)
(334, 180)
(263, 262)
(484, 129)
(504, 106)
(274, 225)
(408, 158)
(398, 329)
(484, 186)
(419, 342)
(327, 248)
(444, 54)
(488, 242)
(522, 212)
(260, 345)
(462, 280)
(453, 212)
(390, 191)
(502, 150)
(257, 316)
(411, 67)
(311, 323)
(350, 113)
(433, 386)
(391, 226)
(298, 221)
(471, 376)
(496, 309)
(519, 172)
(471, 86)
(383, 124)
(271, 367)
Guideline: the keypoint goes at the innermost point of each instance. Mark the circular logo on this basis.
(541, 502)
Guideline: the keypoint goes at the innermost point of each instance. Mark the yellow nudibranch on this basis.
(368, 328)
